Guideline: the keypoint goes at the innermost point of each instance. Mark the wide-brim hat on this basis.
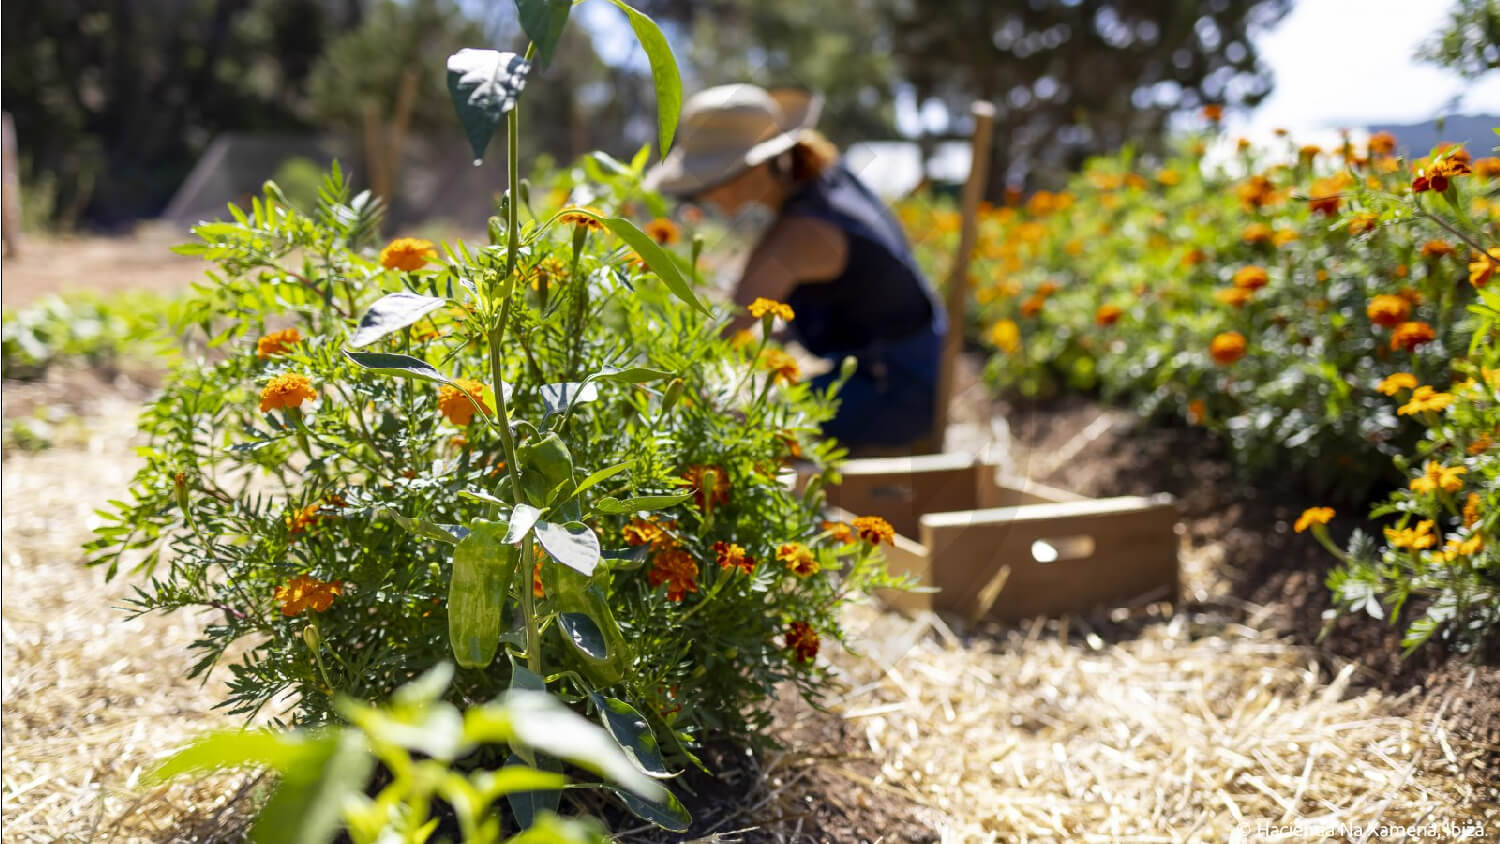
(728, 129)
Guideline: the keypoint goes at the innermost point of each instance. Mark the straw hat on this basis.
(728, 129)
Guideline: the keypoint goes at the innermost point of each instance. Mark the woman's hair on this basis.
(808, 159)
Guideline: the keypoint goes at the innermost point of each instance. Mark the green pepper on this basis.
(546, 465)
(571, 592)
(483, 567)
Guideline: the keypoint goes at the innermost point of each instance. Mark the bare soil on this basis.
(48, 264)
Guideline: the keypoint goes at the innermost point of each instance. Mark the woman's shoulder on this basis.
(816, 247)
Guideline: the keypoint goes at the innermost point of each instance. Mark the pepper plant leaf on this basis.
(573, 544)
(664, 74)
(657, 258)
(484, 85)
(393, 312)
(630, 730)
(544, 21)
(399, 366)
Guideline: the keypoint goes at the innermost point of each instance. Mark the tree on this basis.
(1469, 43)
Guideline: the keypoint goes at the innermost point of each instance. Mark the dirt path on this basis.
(53, 264)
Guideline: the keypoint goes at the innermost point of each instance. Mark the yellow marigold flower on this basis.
(1487, 167)
(1423, 399)
(1169, 177)
(1435, 476)
(1228, 347)
(782, 366)
(1309, 151)
(550, 270)
(1235, 297)
(1313, 516)
(839, 532)
(1414, 538)
(1395, 383)
(1361, 223)
(875, 530)
(798, 558)
(1005, 335)
(277, 343)
(1256, 193)
(304, 592)
(1251, 277)
(803, 640)
(1283, 236)
(1436, 248)
(677, 569)
(454, 400)
(1456, 548)
(1387, 310)
(1256, 234)
(762, 306)
(1471, 510)
(287, 390)
(585, 217)
(1108, 315)
(1482, 268)
(742, 338)
(408, 254)
(663, 231)
(1409, 335)
(1381, 143)
(731, 557)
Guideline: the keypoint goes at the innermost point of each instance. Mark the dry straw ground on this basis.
(1197, 728)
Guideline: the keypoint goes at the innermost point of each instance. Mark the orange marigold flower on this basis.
(1005, 335)
(1425, 399)
(875, 530)
(537, 590)
(299, 520)
(549, 270)
(1256, 234)
(408, 254)
(1047, 288)
(1325, 195)
(677, 569)
(1032, 306)
(801, 639)
(648, 532)
(586, 217)
(287, 390)
(1363, 222)
(799, 558)
(1471, 510)
(1482, 268)
(762, 306)
(1197, 411)
(1435, 248)
(1307, 152)
(304, 592)
(782, 366)
(1435, 476)
(1283, 236)
(840, 532)
(1381, 143)
(1256, 192)
(1108, 315)
(1387, 310)
(1233, 296)
(1456, 548)
(1395, 383)
(1487, 167)
(1480, 445)
(1313, 516)
(1228, 347)
(663, 231)
(732, 556)
(277, 343)
(1251, 277)
(1213, 112)
(1169, 177)
(1413, 538)
(454, 403)
(1409, 335)
(696, 477)
(1439, 174)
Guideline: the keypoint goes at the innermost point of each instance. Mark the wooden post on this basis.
(958, 278)
(10, 190)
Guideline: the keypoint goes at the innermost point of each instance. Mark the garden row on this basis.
(1326, 312)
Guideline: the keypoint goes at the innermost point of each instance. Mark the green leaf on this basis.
(602, 475)
(615, 507)
(400, 366)
(529, 805)
(427, 689)
(666, 812)
(451, 534)
(551, 829)
(393, 312)
(544, 21)
(239, 748)
(656, 258)
(632, 733)
(513, 778)
(524, 678)
(308, 804)
(483, 567)
(539, 721)
(484, 85)
(584, 635)
(630, 375)
(560, 397)
(664, 73)
(573, 544)
(521, 520)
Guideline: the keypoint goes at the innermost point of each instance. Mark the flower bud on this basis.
(311, 637)
(849, 366)
(672, 394)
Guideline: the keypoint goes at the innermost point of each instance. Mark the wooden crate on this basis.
(1005, 548)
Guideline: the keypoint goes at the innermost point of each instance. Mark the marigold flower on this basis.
(718, 495)
(1480, 445)
(1363, 222)
(1487, 167)
(1197, 411)
(1409, 335)
(304, 592)
(287, 390)
(1325, 195)
(802, 640)
(1256, 192)
(1256, 234)
(1307, 152)
(408, 254)
(1169, 177)
(299, 520)
(1387, 310)
(1313, 516)
(1251, 277)
(454, 403)
(1456, 548)
(1213, 112)
(1395, 383)
(1424, 399)
(1435, 476)
(731, 556)
(798, 558)
(677, 569)
(1005, 335)
(1413, 538)
(1438, 175)
(537, 591)
(782, 366)
(1033, 305)
(1381, 143)
(1435, 248)
(762, 306)
(875, 530)
(839, 532)
(1047, 288)
(663, 231)
(1108, 315)
(1283, 236)
(587, 218)
(1233, 296)
(647, 532)
(277, 343)
(1228, 347)
(549, 270)
(1482, 268)
(1471, 510)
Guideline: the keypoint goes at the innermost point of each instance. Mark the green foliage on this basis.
(420, 740)
(82, 328)
(1469, 42)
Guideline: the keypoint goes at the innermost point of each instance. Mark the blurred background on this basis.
(127, 111)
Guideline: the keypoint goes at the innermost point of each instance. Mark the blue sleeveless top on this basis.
(881, 297)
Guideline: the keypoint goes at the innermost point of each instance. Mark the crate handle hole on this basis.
(1057, 549)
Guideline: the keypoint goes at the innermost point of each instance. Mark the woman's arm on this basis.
(795, 250)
